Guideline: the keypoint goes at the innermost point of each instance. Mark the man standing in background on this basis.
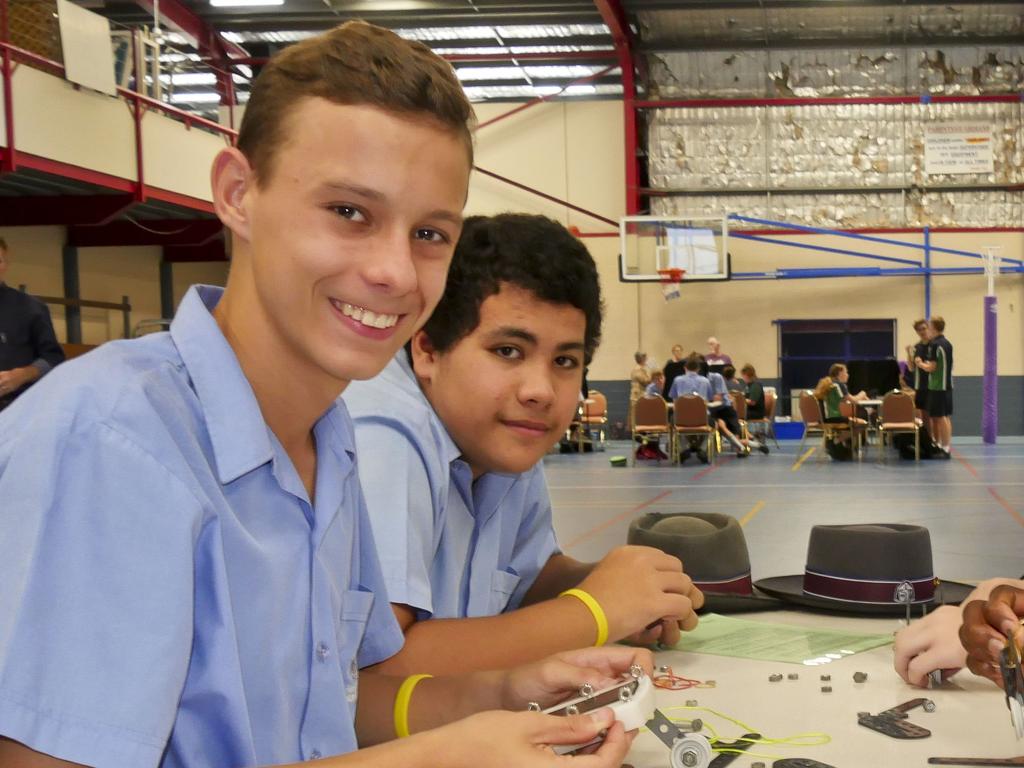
(939, 367)
(28, 345)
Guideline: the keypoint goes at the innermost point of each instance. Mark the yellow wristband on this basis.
(595, 608)
(402, 699)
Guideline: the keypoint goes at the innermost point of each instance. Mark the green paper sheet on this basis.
(725, 636)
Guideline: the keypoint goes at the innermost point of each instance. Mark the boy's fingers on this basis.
(611, 752)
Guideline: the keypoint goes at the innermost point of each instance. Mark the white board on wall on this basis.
(85, 41)
(958, 148)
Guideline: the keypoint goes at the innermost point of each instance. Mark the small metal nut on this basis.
(792, 676)
(572, 709)
(775, 678)
(533, 706)
(663, 669)
(636, 671)
(625, 694)
(826, 678)
(691, 702)
(586, 690)
(860, 677)
(929, 705)
(826, 689)
(696, 725)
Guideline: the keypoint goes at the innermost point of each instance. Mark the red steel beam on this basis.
(615, 19)
(57, 210)
(546, 196)
(146, 232)
(207, 40)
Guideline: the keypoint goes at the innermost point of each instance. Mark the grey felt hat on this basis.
(868, 569)
(714, 554)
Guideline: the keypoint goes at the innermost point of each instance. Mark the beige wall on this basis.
(574, 151)
(583, 163)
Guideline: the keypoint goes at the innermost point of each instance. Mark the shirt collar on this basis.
(238, 433)
(449, 450)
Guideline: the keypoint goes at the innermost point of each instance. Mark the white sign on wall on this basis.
(958, 148)
(88, 54)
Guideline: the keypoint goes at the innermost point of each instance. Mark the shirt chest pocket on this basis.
(503, 584)
(355, 613)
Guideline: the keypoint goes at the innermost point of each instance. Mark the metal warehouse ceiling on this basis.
(519, 50)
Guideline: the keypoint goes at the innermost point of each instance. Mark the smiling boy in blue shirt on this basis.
(452, 434)
(187, 575)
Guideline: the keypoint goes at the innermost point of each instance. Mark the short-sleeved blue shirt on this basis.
(688, 384)
(168, 595)
(450, 547)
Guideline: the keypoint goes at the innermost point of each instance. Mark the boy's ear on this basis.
(231, 178)
(424, 356)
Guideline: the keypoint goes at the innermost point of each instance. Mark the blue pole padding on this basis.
(823, 248)
(927, 272)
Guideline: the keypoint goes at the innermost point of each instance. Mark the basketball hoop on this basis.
(670, 278)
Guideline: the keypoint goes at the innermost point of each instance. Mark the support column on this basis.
(990, 380)
(72, 314)
(166, 289)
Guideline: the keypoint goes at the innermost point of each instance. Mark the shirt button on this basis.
(315, 755)
(322, 652)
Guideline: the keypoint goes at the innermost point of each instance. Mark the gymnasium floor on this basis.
(973, 504)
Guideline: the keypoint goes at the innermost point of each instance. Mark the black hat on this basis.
(714, 555)
(872, 569)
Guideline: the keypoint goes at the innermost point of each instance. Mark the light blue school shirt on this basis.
(168, 595)
(689, 383)
(449, 547)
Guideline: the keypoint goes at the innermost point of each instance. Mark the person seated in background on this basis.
(692, 383)
(716, 357)
(723, 416)
(831, 392)
(732, 383)
(934, 641)
(674, 366)
(657, 385)
(455, 487)
(754, 393)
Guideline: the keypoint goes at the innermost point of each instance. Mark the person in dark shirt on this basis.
(939, 367)
(919, 377)
(675, 366)
(28, 345)
(754, 394)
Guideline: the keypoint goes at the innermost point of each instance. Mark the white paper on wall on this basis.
(958, 148)
(88, 54)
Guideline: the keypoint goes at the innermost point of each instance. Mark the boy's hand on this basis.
(929, 644)
(986, 625)
(637, 586)
(524, 740)
(560, 676)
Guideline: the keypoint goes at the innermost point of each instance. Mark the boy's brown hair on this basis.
(748, 369)
(354, 63)
(919, 323)
(937, 323)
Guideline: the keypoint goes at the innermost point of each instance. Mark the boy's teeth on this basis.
(366, 317)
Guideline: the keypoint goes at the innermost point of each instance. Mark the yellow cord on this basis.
(810, 739)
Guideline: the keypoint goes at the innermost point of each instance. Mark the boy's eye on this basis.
(432, 235)
(349, 212)
(508, 352)
(567, 361)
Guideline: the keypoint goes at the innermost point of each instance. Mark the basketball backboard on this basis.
(698, 245)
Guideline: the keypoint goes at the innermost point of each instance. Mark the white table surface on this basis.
(970, 720)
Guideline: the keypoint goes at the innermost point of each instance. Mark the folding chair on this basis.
(650, 419)
(766, 426)
(691, 418)
(739, 404)
(595, 413)
(810, 412)
(895, 416)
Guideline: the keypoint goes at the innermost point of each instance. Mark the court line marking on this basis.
(802, 459)
(750, 515)
(617, 519)
(995, 494)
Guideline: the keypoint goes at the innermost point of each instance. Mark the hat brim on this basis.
(727, 603)
(791, 590)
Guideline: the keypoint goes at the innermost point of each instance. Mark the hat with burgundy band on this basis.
(875, 569)
(714, 554)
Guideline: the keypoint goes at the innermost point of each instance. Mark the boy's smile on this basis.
(509, 389)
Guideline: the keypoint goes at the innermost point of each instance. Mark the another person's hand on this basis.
(524, 740)
(928, 644)
(986, 625)
(13, 380)
(560, 676)
(637, 586)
